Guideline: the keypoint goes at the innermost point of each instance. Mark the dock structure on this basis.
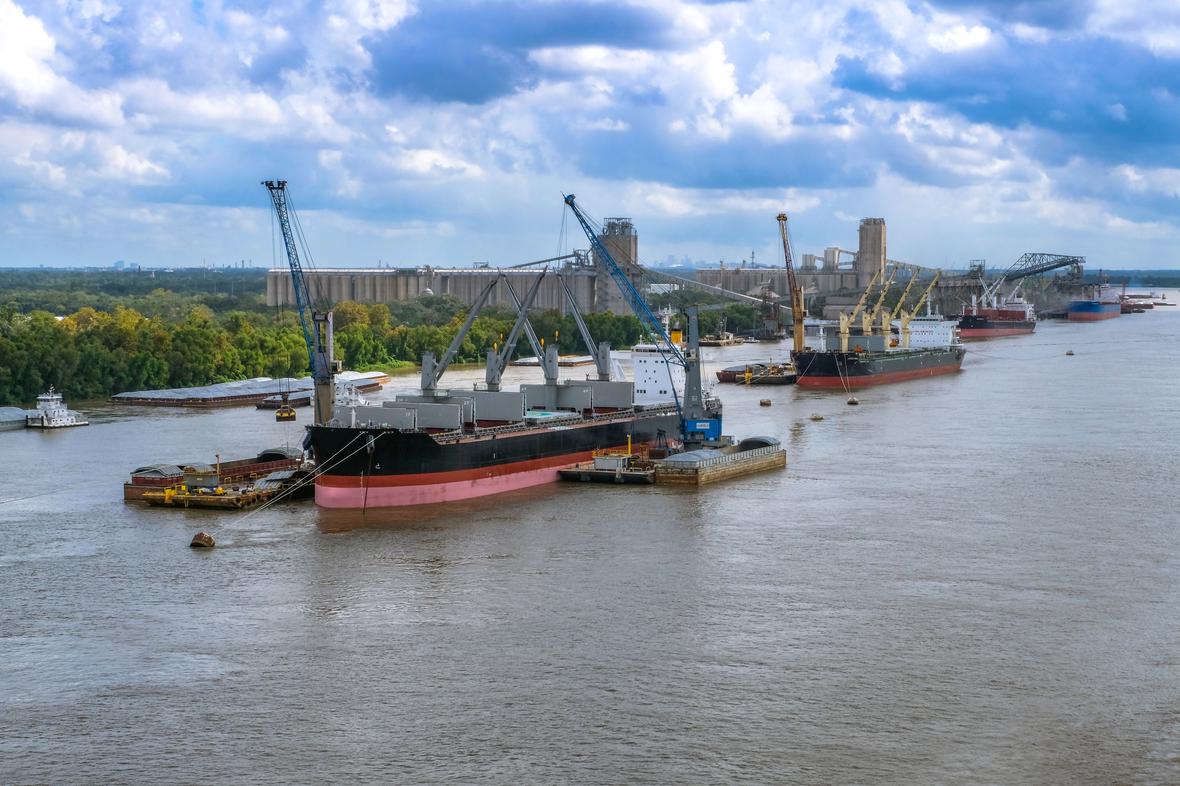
(689, 468)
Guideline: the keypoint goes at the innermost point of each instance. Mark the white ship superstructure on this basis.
(932, 332)
(658, 379)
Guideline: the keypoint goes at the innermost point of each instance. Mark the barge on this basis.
(157, 477)
(243, 392)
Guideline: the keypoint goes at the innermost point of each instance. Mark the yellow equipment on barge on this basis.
(181, 496)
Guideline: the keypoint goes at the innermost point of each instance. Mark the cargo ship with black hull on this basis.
(439, 445)
(380, 465)
(836, 370)
(884, 350)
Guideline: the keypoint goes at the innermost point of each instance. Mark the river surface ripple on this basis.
(972, 579)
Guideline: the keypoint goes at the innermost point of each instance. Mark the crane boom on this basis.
(926, 292)
(904, 294)
(314, 318)
(635, 300)
(793, 284)
(432, 370)
(498, 358)
(699, 422)
(864, 296)
(601, 351)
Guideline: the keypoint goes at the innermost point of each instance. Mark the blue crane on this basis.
(700, 423)
(315, 318)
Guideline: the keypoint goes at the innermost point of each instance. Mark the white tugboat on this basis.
(52, 413)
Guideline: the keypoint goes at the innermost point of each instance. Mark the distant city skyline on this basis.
(445, 133)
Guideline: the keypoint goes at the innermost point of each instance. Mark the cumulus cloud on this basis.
(434, 120)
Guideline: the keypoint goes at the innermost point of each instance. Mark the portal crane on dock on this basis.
(793, 285)
(698, 423)
(315, 316)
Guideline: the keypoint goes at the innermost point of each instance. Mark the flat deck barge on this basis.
(690, 468)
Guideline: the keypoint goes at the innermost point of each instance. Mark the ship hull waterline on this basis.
(1092, 311)
(412, 468)
(834, 371)
(978, 334)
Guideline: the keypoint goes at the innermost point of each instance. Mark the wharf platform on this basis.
(709, 465)
(690, 468)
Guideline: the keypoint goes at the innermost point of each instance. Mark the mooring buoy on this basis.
(202, 540)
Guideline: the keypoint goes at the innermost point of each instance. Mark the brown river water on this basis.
(973, 579)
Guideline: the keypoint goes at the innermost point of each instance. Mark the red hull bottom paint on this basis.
(966, 333)
(393, 491)
(836, 383)
(1093, 316)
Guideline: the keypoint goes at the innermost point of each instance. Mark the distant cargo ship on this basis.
(1014, 317)
(1092, 310)
(1103, 303)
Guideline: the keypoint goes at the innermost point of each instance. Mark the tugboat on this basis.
(52, 413)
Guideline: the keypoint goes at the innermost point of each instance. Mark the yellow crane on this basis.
(905, 293)
(793, 284)
(869, 318)
(847, 319)
(906, 316)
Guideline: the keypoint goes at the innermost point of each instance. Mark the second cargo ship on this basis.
(934, 350)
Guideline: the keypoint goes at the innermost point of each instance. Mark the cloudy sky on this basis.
(445, 132)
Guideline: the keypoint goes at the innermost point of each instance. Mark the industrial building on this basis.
(584, 273)
(595, 290)
(388, 285)
(833, 274)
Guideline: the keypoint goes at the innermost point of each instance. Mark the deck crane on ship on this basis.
(846, 320)
(315, 315)
(908, 316)
(700, 424)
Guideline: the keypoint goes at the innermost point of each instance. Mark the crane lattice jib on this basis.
(788, 253)
(1032, 264)
(278, 195)
(630, 293)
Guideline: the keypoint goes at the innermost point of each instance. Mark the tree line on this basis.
(93, 352)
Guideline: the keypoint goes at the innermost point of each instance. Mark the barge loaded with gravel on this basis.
(243, 392)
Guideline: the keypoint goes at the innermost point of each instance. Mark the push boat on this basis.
(51, 413)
